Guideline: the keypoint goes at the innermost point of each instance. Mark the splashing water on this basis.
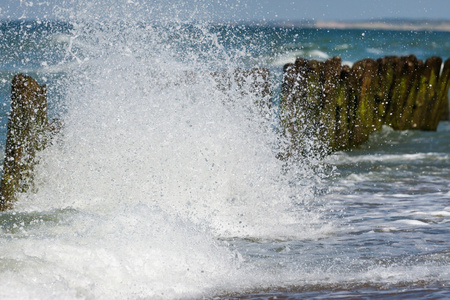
(155, 172)
(164, 183)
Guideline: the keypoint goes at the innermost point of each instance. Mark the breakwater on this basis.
(325, 107)
(340, 106)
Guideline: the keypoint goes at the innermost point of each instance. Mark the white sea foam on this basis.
(342, 47)
(376, 51)
(291, 56)
(344, 158)
(412, 222)
(156, 165)
(438, 214)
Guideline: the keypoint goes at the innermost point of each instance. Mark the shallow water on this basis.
(162, 185)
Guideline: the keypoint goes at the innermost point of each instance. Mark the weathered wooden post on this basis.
(386, 75)
(366, 107)
(444, 85)
(427, 96)
(27, 126)
(399, 89)
(404, 88)
(293, 105)
(343, 111)
(357, 130)
(394, 67)
(412, 71)
(331, 84)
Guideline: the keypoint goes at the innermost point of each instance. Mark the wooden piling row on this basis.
(324, 107)
(341, 106)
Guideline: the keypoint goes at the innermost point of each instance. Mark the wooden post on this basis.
(444, 85)
(328, 114)
(386, 75)
(342, 129)
(427, 101)
(294, 106)
(357, 136)
(26, 136)
(366, 109)
(407, 91)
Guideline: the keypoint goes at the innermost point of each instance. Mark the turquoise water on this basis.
(163, 186)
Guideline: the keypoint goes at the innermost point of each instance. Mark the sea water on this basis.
(162, 184)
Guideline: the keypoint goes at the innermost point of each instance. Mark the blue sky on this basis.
(342, 10)
(257, 10)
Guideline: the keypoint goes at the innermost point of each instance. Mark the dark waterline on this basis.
(355, 292)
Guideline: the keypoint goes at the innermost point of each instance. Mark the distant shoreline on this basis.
(400, 25)
(386, 25)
